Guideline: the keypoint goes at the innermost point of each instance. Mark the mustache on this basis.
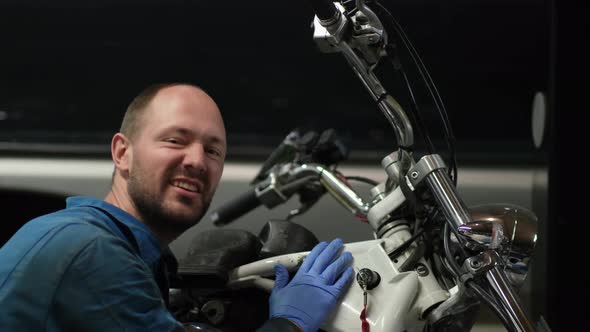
(189, 174)
(198, 178)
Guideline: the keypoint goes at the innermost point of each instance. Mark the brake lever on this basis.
(309, 193)
(300, 210)
(286, 151)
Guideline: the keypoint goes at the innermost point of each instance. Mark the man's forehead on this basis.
(182, 130)
(176, 112)
(183, 99)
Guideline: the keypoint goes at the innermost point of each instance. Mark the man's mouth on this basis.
(189, 186)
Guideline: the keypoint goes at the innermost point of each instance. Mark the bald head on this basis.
(135, 114)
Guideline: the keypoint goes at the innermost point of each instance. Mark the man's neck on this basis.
(121, 199)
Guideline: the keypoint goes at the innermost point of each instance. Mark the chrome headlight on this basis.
(509, 229)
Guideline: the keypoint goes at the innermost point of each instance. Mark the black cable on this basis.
(453, 267)
(362, 179)
(433, 93)
(456, 271)
(437, 262)
(445, 262)
(418, 222)
(491, 302)
(425, 74)
(418, 115)
(432, 214)
(448, 253)
(459, 238)
(446, 258)
(404, 246)
(350, 7)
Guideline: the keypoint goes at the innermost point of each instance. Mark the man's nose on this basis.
(194, 160)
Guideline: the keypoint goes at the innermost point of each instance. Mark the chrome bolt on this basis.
(422, 270)
(476, 264)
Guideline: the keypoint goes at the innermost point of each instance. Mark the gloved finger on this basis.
(326, 257)
(281, 276)
(333, 271)
(345, 279)
(312, 256)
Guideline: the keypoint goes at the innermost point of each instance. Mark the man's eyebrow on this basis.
(187, 132)
(177, 129)
(216, 139)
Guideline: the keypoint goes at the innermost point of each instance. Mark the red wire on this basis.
(362, 219)
(364, 323)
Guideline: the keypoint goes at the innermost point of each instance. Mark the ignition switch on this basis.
(368, 279)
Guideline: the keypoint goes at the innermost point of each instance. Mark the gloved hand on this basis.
(315, 289)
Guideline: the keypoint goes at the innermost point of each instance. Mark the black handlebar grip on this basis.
(324, 9)
(235, 208)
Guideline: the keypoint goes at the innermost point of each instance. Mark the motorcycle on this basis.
(433, 260)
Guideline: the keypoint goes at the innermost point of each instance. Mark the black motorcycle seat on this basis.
(213, 253)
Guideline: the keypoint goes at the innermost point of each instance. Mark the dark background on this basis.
(70, 68)
(568, 284)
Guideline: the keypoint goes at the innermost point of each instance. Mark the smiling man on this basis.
(169, 158)
(100, 265)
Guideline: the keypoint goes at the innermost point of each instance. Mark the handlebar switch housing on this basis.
(268, 192)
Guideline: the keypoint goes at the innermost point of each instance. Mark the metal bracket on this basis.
(423, 167)
(481, 263)
(268, 193)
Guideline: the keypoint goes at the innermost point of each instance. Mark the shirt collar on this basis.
(150, 249)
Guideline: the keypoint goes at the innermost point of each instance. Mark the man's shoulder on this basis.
(47, 245)
(74, 214)
(83, 219)
(67, 230)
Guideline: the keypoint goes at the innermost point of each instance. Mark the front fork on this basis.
(431, 170)
(488, 264)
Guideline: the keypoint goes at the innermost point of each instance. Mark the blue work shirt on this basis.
(89, 267)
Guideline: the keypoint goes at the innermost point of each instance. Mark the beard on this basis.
(152, 208)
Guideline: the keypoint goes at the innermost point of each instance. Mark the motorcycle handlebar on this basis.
(272, 193)
(235, 208)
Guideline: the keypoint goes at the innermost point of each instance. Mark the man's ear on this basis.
(121, 153)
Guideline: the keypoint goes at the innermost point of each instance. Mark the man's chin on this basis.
(183, 215)
(178, 223)
(182, 210)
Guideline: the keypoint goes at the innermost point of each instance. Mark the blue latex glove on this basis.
(314, 291)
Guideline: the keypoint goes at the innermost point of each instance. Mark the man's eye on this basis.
(172, 140)
(214, 152)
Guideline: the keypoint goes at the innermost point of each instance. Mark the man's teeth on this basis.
(187, 186)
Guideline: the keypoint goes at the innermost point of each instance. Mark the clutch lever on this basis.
(285, 152)
(309, 193)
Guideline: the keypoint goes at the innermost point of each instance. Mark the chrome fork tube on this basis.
(489, 263)
(516, 313)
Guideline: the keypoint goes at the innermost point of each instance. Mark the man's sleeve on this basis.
(107, 287)
(279, 325)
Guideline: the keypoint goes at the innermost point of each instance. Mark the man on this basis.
(97, 265)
